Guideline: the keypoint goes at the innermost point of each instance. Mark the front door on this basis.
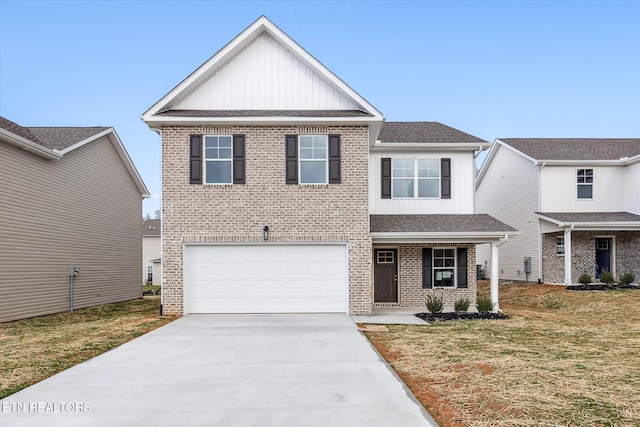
(603, 255)
(385, 273)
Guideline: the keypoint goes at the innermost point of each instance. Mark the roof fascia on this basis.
(608, 225)
(122, 152)
(428, 146)
(29, 145)
(252, 31)
(618, 162)
(451, 237)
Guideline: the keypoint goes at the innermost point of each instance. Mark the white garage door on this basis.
(265, 279)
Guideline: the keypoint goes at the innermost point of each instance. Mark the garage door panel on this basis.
(265, 279)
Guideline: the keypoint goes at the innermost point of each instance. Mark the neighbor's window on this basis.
(416, 178)
(217, 159)
(560, 245)
(585, 183)
(444, 267)
(313, 159)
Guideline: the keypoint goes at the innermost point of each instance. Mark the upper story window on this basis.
(217, 159)
(585, 183)
(416, 178)
(313, 159)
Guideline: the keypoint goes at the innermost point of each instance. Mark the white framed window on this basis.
(444, 267)
(218, 159)
(150, 269)
(312, 155)
(560, 245)
(415, 178)
(585, 183)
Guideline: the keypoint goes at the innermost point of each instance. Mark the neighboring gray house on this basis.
(68, 197)
(283, 190)
(575, 200)
(151, 251)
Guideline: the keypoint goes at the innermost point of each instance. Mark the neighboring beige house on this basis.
(284, 190)
(69, 197)
(575, 200)
(151, 251)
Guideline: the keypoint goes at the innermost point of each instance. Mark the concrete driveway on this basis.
(227, 370)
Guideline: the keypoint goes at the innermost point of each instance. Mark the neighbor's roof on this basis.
(590, 217)
(463, 223)
(576, 148)
(424, 132)
(60, 138)
(151, 227)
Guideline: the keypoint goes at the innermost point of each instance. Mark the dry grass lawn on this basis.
(34, 349)
(565, 358)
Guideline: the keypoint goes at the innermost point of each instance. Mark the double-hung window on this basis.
(314, 165)
(560, 245)
(416, 178)
(218, 159)
(444, 267)
(585, 183)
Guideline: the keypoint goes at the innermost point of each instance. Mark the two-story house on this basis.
(575, 200)
(285, 191)
(151, 251)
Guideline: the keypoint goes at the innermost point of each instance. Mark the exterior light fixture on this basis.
(265, 232)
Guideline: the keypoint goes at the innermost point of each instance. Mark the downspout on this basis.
(539, 238)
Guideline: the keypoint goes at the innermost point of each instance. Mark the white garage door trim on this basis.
(266, 278)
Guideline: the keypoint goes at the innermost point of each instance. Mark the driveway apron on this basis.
(227, 370)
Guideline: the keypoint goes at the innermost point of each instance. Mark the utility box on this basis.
(527, 264)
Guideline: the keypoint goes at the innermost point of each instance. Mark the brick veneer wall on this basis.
(583, 260)
(238, 213)
(411, 293)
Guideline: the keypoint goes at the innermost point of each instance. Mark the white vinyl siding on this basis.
(509, 193)
(265, 76)
(633, 188)
(461, 202)
(558, 186)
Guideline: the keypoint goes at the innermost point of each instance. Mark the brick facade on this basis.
(410, 292)
(583, 258)
(294, 213)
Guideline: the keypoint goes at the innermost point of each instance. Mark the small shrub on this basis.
(435, 304)
(484, 305)
(585, 278)
(627, 278)
(461, 305)
(607, 277)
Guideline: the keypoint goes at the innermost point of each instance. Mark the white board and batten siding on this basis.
(266, 278)
(462, 186)
(509, 193)
(84, 210)
(267, 76)
(633, 188)
(559, 189)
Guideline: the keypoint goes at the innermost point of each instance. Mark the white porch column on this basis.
(494, 276)
(567, 256)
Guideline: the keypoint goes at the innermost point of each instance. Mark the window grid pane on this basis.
(444, 263)
(218, 154)
(559, 245)
(313, 159)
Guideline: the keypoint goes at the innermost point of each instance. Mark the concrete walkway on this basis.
(227, 370)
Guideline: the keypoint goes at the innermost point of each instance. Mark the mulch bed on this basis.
(600, 287)
(443, 317)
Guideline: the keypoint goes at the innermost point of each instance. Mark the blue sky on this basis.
(490, 68)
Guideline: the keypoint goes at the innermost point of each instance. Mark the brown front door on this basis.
(385, 287)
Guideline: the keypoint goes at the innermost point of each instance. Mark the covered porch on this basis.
(415, 256)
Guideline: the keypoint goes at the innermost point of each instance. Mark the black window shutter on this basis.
(445, 178)
(334, 159)
(238, 159)
(427, 276)
(195, 159)
(385, 173)
(292, 158)
(462, 268)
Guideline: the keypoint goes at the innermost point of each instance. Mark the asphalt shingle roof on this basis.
(468, 223)
(151, 227)
(576, 148)
(423, 132)
(592, 216)
(51, 137)
(18, 130)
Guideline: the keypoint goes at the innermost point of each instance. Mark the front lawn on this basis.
(37, 348)
(564, 358)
